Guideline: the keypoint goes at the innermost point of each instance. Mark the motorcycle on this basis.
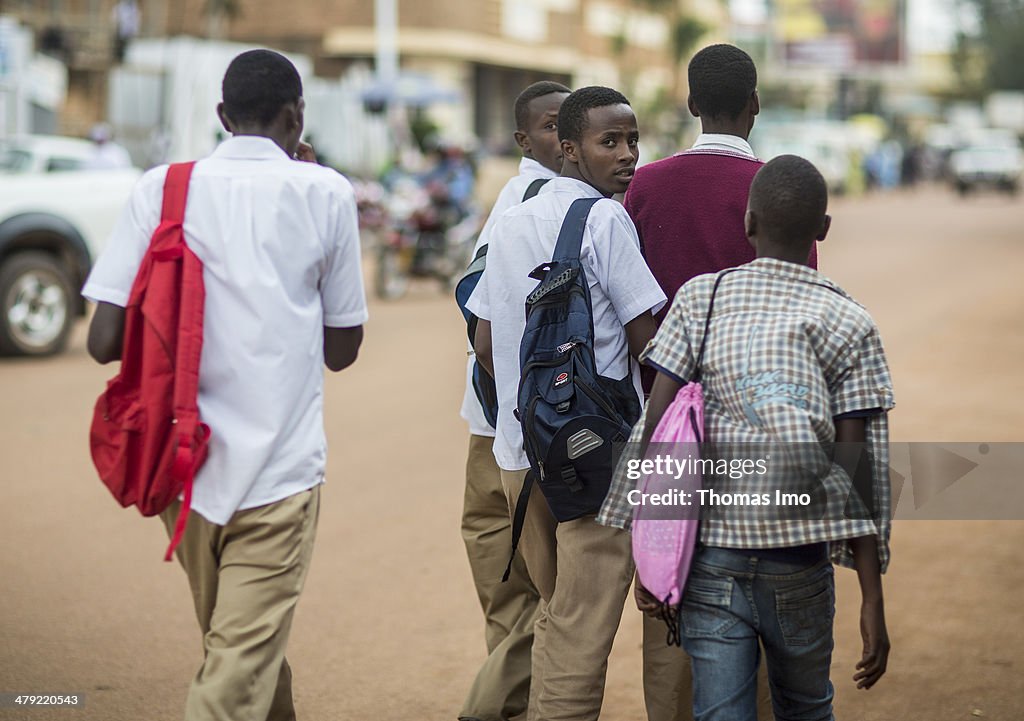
(429, 237)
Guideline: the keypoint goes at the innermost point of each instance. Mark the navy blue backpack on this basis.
(571, 416)
(483, 384)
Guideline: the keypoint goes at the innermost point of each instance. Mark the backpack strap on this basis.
(707, 325)
(570, 237)
(570, 241)
(534, 188)
(518, 518)
(189, 345)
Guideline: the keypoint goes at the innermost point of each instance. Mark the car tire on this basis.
(36, 305)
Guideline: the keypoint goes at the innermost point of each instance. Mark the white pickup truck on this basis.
(55, 218)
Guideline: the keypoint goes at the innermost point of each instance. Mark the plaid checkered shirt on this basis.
(787, 352)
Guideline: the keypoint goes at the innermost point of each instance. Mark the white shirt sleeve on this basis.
(341, 286)
(619, 266)
(479, 302)
(111, 279)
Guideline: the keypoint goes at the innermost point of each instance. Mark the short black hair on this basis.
(572, 116)
(257, 84)
(722, 79)
(789, 197)
(537, 90)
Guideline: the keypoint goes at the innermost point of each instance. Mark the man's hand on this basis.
(646, 603)
(872, 663)
(305, 153)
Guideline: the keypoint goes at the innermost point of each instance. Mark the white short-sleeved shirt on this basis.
(509, 197)
(279, 242)
(621, 289)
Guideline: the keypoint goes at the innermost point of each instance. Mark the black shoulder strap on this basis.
(534, 188)
(518, 518)
(570, 237)
(707, 324)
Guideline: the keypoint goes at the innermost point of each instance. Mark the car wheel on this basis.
(35, 305)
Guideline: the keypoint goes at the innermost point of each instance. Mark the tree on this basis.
(997, 46)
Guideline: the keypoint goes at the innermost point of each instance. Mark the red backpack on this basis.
(146, 439)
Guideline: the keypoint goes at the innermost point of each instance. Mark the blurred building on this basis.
(80, 34)
(486, 50)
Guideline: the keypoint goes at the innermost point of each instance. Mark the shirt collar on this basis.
(529, 166)
(792, 271)
(722, 141)
(576, 187)
(249, 147)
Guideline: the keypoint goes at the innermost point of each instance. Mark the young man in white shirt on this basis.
(582, 570)
(501, 688)
(279, 242)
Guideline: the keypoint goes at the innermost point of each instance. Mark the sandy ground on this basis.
(389, 627)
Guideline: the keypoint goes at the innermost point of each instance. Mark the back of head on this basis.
(722, 79)
(531, 93)
(572, 116)
(257, 84)
(789, 197)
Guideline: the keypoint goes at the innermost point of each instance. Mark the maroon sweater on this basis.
(688, 210)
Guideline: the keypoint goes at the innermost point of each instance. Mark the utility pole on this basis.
(386, 24)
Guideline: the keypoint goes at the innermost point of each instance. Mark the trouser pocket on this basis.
(805, 610)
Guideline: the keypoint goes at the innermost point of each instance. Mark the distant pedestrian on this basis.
(127, 20)
(106, 154)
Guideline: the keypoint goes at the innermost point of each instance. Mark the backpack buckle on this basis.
(570, 478)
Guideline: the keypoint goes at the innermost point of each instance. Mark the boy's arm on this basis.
(662, 394)
(341, 285)
(482, 346)
(875, 655)
(106, 333)
(639, 332)
(341, 346)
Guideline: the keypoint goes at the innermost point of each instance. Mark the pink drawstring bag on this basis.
(664, 536)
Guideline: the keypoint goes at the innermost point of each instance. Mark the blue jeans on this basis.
(732, 600)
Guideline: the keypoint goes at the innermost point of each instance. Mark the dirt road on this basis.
(389, 627)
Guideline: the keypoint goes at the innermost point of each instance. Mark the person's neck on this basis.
(785, 253)
(720, 127)
(257, 132)
(571, 170)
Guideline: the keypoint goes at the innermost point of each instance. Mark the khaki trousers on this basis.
(501, 688)
(668, 679)
(583, 571)
(246, 577)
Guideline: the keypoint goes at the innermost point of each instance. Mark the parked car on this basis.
(990, 158)
(54, 220)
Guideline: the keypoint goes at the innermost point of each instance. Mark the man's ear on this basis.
(523, 141)
(750, 226)
(291, 115)
(824, 228)
(692, 106)
(755, 103)
(570, 152)
(225, 121)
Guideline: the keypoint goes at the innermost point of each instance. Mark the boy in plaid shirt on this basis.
(790, 359)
